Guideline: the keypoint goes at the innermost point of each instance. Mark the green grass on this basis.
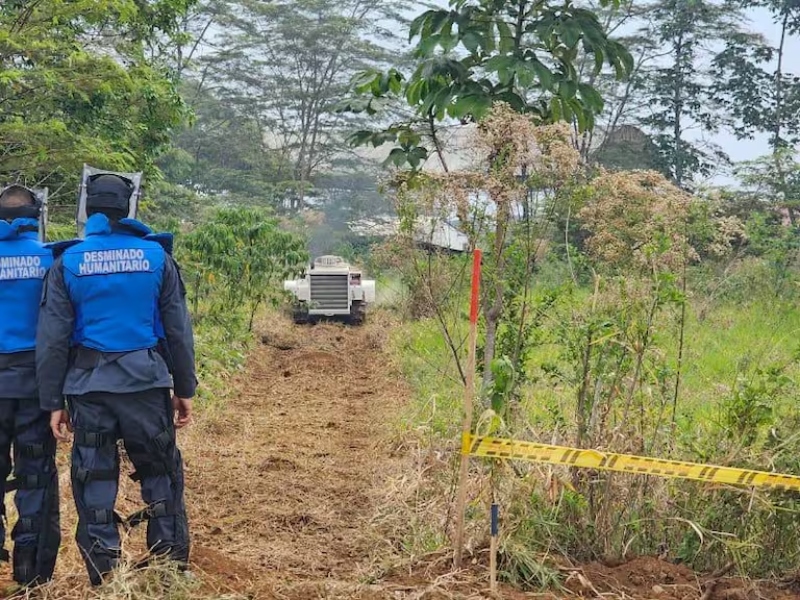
(737, 406)
(222, 342)
(730, 342)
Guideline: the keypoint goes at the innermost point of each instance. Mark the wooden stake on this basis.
(469, 397)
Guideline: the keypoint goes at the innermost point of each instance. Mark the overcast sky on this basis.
(741, 150)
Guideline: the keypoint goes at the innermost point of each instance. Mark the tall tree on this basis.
(479, 52)
(75, 86)
(223, 152)
(287, 64)
(678, 85)
(504, 64)
(758, 81)
(759, 85)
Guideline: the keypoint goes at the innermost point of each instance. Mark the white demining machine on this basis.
(331, 288)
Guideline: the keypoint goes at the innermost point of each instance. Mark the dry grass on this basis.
(299, 487)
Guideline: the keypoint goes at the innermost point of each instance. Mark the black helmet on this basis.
(19, 202)
(109, 194)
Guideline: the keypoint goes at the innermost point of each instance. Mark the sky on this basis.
(761, 22)
(743, 150)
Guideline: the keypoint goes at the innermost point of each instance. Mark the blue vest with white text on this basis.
(114, 281)
(23, 264)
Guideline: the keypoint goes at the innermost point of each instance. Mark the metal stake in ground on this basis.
(469, 396)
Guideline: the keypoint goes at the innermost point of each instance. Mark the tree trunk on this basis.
(775, 142)
(494, 311)
(678, 111)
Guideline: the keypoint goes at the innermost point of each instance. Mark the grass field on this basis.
(737, 406)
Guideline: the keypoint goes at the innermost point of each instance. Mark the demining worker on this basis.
(114, 337)
(23, 264)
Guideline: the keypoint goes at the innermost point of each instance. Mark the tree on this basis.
(222, 152)
(75, 87)
(754, 84)
(243, 256)
(627, 148)
(753, 80)
(479, 52)
(678, 85)
(508, 144)
(285, 66)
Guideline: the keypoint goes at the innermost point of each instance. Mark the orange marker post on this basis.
(469, 397)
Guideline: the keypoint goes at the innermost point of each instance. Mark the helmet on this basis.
(109, 194)
(19, 202)
(116, 195)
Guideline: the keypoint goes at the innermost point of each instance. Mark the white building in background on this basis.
(460, 154)
(457, 148)
(430, 233)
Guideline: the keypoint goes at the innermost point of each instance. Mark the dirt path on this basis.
(282, 481)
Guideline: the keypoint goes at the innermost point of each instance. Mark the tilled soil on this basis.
(284, 480)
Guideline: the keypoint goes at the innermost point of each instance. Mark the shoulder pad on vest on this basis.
(58, 248)
(23, 223)
(166, 240)
(97, 224)
(6, 231)
(136, 227)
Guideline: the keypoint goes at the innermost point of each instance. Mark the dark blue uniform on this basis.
(114, 336)
(23, 263)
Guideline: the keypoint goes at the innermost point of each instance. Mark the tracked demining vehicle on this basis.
(330, 289)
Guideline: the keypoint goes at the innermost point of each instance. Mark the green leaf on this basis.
(507, 43)
(471, 105)
(417, 24)
(396, 157)
(416, 156)
(499, 62)
(472, 40)
(438, 20)
(525, 75)
(415, 91)
(567, 88)
(570, 34)
(395, 81)
(544, 74)
(591, 97)
(556, 112)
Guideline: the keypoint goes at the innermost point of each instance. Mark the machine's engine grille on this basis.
(330, 292)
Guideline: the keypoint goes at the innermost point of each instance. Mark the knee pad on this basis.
(100, 441)
(159, 457)
(156, 457)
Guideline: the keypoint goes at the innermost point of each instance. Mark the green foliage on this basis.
(753, 81)
(223, 152)
(76, 87)
(636, 152)
(600, 370)
(239, 258)
(680, 91)
(266, 97)
(478, 53)
(774, 181)
(738, 409)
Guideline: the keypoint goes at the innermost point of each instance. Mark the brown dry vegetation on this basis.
(299, 487)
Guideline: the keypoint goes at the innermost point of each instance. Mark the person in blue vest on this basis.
(114, 338)
(23, 263)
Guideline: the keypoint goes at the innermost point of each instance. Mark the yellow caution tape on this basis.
(624, 463)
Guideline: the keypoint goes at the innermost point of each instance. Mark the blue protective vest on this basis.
(23, 264)
(114, 282)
